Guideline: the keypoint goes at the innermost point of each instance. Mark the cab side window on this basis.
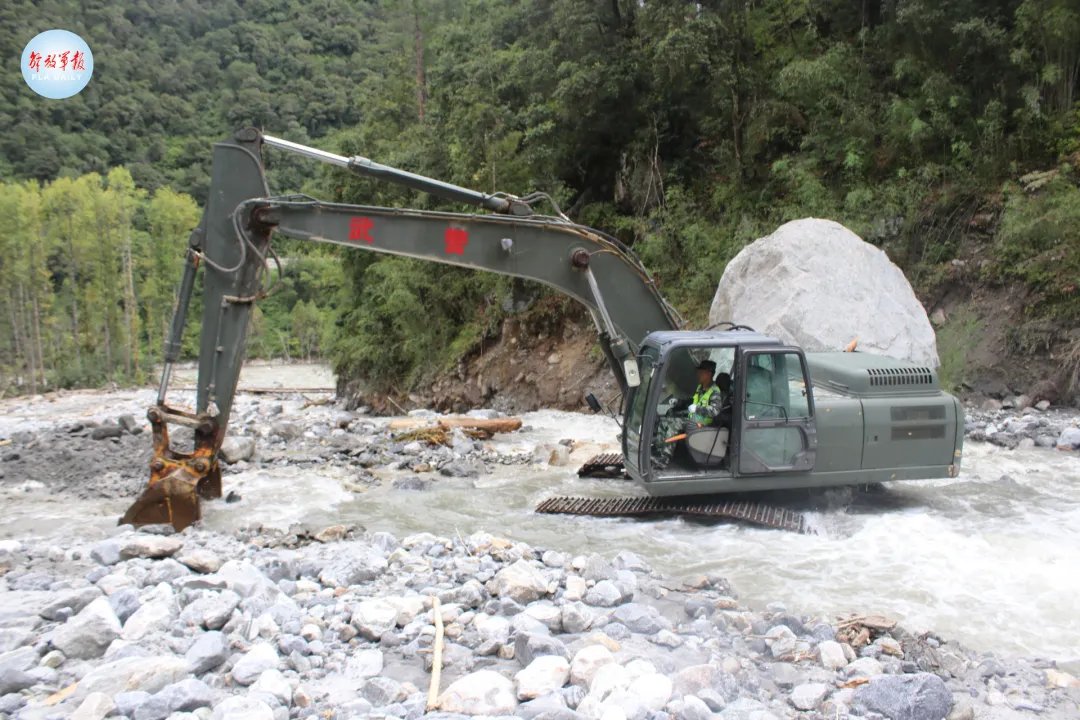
(775, 387)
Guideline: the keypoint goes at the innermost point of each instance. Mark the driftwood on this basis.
(436, 659)
(494, 425)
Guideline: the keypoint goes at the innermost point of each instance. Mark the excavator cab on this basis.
(766, 425)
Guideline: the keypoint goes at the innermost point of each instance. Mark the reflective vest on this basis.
(701, 398)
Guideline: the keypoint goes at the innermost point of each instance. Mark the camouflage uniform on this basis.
(709, 404)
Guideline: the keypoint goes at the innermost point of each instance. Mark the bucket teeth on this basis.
(177, 479)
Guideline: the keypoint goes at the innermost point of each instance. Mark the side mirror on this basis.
(593, 403)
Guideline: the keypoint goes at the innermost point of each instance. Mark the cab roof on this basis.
(693, 338)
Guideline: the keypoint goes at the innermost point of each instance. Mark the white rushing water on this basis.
(991, 558)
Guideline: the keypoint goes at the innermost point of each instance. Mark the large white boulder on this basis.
(818, 285)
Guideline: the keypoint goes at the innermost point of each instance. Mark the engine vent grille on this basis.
(889, 377)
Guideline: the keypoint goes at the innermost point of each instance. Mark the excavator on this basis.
(793, 419)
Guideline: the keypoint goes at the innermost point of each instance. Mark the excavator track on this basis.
(699, 506)
(604, 465)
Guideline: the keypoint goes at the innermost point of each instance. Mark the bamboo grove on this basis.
(88, 268)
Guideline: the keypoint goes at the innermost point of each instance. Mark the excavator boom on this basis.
(232, 246)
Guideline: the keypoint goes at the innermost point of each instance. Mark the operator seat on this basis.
(708, 445)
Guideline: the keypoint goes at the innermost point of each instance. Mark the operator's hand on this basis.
(692, 409)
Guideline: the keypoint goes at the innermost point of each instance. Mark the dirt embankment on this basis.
(546, 357)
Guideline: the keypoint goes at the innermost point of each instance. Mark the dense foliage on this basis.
(686, 128)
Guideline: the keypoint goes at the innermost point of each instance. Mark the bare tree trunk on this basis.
(74, 297)
(37, 337)
(28, 350)
(13, 303)
(131, 353)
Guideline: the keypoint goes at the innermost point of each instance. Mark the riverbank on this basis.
(312, 592)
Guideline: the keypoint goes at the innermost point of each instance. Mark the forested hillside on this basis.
(947, 133)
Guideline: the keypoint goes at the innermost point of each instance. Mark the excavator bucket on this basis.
(177, 479)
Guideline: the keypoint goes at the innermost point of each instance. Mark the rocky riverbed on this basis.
(275, 608)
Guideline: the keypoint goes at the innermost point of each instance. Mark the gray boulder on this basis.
(207, 652)
(183, 696)
(640, 618)
(521, 582)
(75, 600)
(236, 449)
(261, 656)
(89, 633)
(352, 568)
(529, 646)
(1069, 439)
(816, 284)
(239, 707)
(150, 546)
(13, 680)
(922, 696)
(148, 674)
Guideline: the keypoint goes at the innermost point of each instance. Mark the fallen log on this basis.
(492, 425)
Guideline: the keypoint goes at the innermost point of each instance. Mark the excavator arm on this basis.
(232, 245)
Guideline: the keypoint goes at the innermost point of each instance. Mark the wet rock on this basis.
(484, 692)
(529, 646)
(239, 707)
(183, 696)
(88, 634)
(96, 706)
(460, 470)
(543, 675)
(237, 449)
(412, 483)
(286, 430)
(1069, 439)
(104, 432)
(780, 640)
(520, 582)
(922, 696)
(207, 652)
(129, 424)
(150, 546)
(262, 656)
(809, 696)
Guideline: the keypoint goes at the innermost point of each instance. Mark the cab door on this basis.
(775, 412)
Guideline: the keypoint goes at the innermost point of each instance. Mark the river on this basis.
(991, 558)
